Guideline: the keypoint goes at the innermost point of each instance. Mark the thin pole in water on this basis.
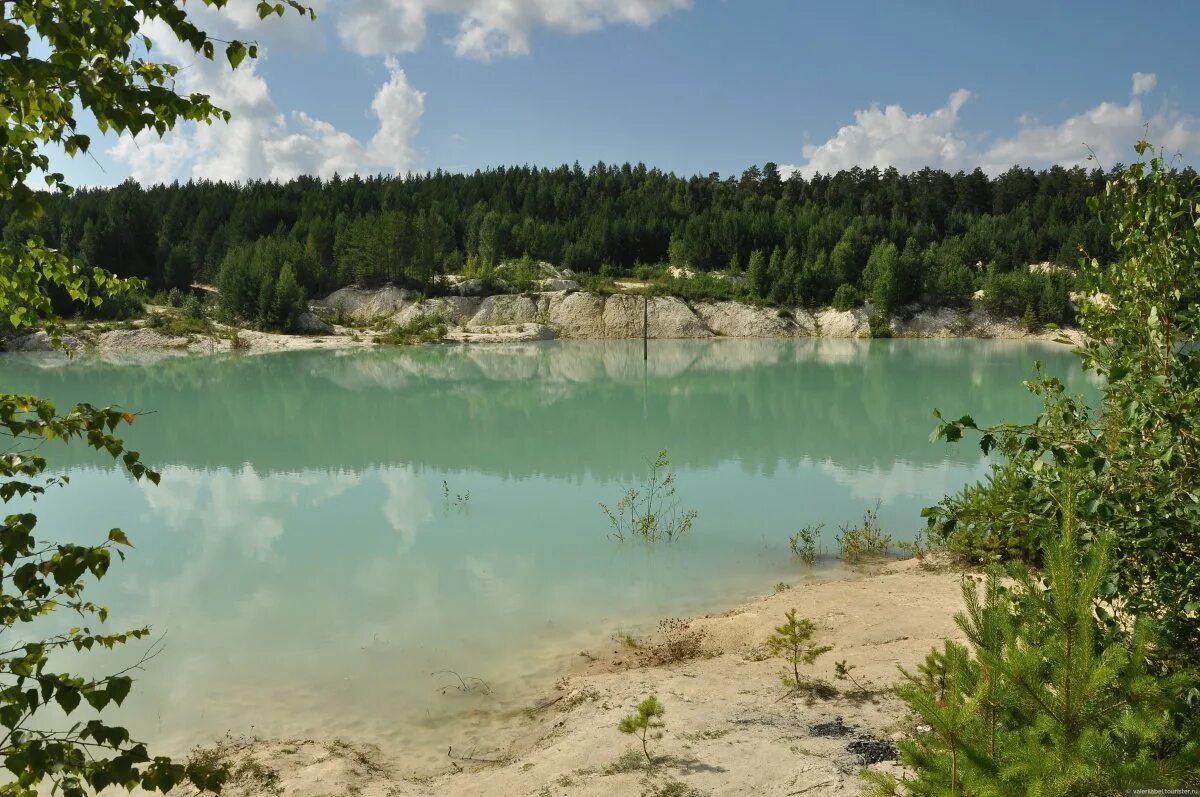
(645, 328)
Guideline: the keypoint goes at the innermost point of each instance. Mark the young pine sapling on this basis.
(793, 643)
(646, 724)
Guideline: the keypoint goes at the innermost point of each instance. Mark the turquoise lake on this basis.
(310, 563)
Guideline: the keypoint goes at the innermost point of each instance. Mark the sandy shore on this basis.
(730, 729)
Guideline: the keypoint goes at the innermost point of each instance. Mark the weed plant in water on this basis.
(651, 512)
(804, 543)
(866, 541)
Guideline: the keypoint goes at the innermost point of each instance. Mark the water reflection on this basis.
(563, 410)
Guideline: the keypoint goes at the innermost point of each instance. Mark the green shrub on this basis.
(1134, 459)
(702, 287)
(793, 643)
(192, 307)
(168, 323)
(646, 724)
(521, 274)
(804, 543)
(1043, 699)
(867, 540)
(119, 307)
(423, 329)
(651, 512)
(1034, 297)
(846, 297)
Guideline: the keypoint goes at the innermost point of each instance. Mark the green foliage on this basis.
(39, 577)
(704, 286)
(52, 66)
(57, 58)
(846, 297)
(1044, 699)
(881, 278)
(1030, 320)
(422, 329)
(394, 247)
(179, 326)
(1034, 297)
(192, 307)
(259, 283)
(864, 541)
(757, 277)
(521, 274)
(879, 325)
(122, 306)
(651, 512)
(926, 238)
(844, 671)
(804, 543)
(1134, 460)
(646, 724)
(792, 642)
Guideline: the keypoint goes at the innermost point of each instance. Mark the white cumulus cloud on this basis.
(261, 141)
(893, 137)
(486, 28)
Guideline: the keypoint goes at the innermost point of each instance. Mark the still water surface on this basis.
(311, 564)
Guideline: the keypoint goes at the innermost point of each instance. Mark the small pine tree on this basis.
(792, 642)
(756, 274)
(289, 301)
(845, 298)
(646, 724)
(1030, 319)
(1044, 700)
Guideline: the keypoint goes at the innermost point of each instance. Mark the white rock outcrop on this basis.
(576, 315)
(506, 309)
(557, 284)
(502, 333)
(40, 341)
(455, 310)
(367, 304)
(843, 323)
(669, 317)
(936, 322)
(737, 320)
(310, 324)
(139, 340)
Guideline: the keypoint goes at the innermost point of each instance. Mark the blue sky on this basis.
(692, 87)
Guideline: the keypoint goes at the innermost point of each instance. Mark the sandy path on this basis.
(727, 731)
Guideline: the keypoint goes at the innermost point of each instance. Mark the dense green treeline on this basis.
(859, 234)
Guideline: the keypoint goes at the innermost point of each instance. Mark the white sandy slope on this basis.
(728, 730)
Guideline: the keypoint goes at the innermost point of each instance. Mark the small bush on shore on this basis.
(1083, 679)
(179, 326)
(678, 641)
(1042, 699)
(424, 329)
(646, 724)
(867, 540)
(846, 298)
(792, 642)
